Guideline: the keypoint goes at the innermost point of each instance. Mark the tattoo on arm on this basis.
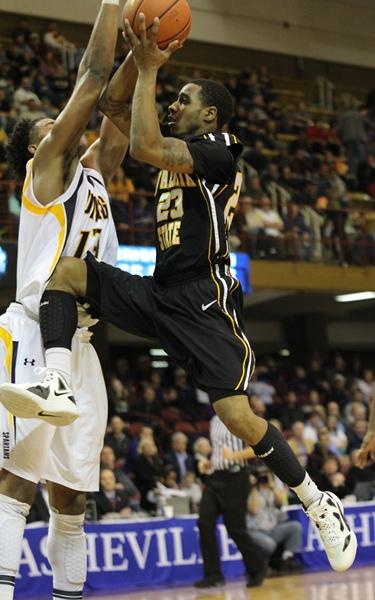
(115, 108)
(176, 153)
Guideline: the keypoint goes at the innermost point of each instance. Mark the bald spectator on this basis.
(178, 457)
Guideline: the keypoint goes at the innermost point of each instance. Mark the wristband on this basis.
(115, 2)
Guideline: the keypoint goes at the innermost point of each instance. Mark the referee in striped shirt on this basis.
(226, 492)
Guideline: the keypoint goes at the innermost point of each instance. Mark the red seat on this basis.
(203, 427)
(185, 427)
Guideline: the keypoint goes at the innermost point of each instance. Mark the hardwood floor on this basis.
(356, 584)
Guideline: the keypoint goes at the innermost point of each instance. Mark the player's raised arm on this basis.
(116, 99)
(146, 140)
(108, 151)
(57, 155)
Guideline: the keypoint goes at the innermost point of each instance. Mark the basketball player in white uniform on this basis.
(65, 212)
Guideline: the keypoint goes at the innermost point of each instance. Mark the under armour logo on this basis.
(31, 362)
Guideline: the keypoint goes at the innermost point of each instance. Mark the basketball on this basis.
(174, 15)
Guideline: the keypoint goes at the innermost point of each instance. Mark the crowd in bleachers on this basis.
(158, 431)
(303, 175)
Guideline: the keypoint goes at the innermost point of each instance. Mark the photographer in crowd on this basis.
(267, 525)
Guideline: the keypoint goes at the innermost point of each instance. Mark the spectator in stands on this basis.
(360, 482)
(337, 437)
(352, 129)
(193, 490)
(110, 501)
(202, 452)
(332, 479)
(258, 406)
(145, 433)
(117, 439)
(23, 95)
(366, 175)
(261, 388)
(297, 234)
(147, 471)
(338, 391)
(271, 233)
(300, 444)
(312, 426)
(356, 434)
(55, 40)
(149, 404)
(251, 224)
(265, 522)
(322, 451)
(179, 457)
(34, 110)
(5, 108)
(366, 384)
(355, 411)
(118, 396)
(120, 187)
(108, 461)
(290, 412)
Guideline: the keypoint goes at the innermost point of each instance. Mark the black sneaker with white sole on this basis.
(51, 400)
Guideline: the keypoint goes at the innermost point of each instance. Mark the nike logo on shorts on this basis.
(206, 306)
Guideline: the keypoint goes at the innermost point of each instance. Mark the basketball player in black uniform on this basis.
(192, 304)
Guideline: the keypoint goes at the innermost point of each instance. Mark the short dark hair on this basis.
(17, 152)
(214, 93)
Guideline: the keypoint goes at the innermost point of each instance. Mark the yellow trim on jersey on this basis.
(58, 212)
(244, 363)
(33, 208)
(6, 338)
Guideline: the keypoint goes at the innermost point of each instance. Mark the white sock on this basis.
(287, 554)
(12, 525)
(67, 554)
(60, 360)
(307, 491)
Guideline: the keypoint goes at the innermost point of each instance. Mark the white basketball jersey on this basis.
(79, 221)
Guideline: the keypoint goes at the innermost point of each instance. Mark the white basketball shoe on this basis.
(339, 541)
(51, 400)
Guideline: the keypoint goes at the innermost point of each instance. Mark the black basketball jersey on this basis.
(193, 212)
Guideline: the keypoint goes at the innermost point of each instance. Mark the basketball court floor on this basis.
(357, 584)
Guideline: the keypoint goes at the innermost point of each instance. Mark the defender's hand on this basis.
(367, 451)
(146, 52)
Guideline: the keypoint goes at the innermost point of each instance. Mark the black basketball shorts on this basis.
(199, 323)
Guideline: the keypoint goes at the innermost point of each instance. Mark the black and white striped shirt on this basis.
(221, 438)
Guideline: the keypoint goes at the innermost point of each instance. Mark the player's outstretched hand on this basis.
(367, 451)
(146, 52)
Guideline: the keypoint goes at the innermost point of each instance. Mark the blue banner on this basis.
(140, 260)
(125, 555)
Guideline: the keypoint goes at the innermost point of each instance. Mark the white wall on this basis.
(335, 30)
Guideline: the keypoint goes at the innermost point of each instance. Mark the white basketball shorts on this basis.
(35, 450)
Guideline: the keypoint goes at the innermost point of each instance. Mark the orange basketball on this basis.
(174, 15)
